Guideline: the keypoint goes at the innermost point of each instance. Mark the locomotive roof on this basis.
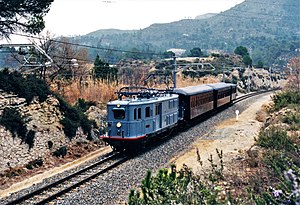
(137, 101)
(191, 90)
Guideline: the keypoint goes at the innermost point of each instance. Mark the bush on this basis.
(35, 164)
(275, 138)
(61, 152)
(70, 127)
(285, 99)
(15, 123)
(293, 119)
(25, 87)
(174, 187)
(83, 105)
(50, 144)
(73, 119)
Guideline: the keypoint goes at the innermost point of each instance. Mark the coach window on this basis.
(147, 112)
(139, 113)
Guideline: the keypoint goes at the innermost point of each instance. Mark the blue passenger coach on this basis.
(138, 117)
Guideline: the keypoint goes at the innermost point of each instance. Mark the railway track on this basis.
(56, 189)
(246, 96)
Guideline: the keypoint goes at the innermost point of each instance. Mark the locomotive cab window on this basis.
(119, 113)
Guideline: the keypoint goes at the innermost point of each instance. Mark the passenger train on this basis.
(141, 114)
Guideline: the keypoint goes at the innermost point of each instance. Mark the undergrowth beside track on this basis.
(271, 176)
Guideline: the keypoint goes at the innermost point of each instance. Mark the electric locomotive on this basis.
(139, 114)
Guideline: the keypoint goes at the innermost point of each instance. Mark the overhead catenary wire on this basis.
(86, 46)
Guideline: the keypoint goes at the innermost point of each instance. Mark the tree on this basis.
(241, 50)
(247, 60)
(260, 64)
(101, 69)
(62, 52)
(196, 52)
(23, 15)
(168, 54)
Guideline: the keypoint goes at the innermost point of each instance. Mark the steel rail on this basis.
(51, 197)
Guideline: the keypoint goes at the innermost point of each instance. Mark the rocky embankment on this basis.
(44, 119)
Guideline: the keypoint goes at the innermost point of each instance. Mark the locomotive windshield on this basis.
(119, 113)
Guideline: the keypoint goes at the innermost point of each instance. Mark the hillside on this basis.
(270, 30)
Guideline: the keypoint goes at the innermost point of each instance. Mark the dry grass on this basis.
(90, 90)
(262, 114)
(184, 82)
(103, 92)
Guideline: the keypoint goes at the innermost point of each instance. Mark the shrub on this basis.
(275, 138)
(25, 87)
(174, 187)
(50, 144)
(73, 119)
(293, 119)
(83, 105)
(15, 123)
(285, 99)
(70, 127)
(35, 164)
(61, 152)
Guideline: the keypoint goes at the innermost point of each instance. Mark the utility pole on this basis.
(248, 89)
(175, 71)
(223, 77)
(270, 73)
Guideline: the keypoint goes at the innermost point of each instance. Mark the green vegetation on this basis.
(16, 124)
(31, 13)
(195, 52)
(34, 164)
(243, 51)
(29, 87)
(273, 177)
(61, 152)
(172, 187)
(73, 118)
(24, 86)
(103, 71)
(288, 98)
(249, 24)
(181, 186)
(83, 105)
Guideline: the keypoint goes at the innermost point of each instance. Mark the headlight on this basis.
(119, 125)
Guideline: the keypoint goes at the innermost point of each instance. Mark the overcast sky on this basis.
(79, 17)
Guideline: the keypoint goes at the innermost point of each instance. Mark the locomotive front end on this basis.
(117, 122)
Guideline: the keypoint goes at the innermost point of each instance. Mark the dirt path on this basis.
(231, 136)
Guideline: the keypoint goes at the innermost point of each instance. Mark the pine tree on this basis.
(23, 15)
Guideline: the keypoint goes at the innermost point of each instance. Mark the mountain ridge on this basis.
(269, 29)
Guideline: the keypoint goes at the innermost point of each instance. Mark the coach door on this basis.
(158, 115)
